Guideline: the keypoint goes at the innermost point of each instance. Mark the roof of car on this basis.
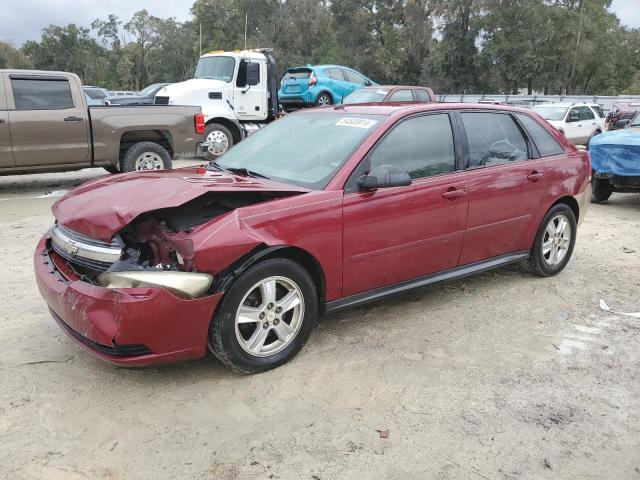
(391, 108)
(391, 87)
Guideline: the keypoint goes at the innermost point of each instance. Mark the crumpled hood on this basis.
(616, 152)
(100, 208)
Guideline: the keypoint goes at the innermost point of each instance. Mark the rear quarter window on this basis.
(542, 139)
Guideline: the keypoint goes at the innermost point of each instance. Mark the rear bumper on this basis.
(128, 327)
(295, 101)
(623, 182)
(202, 149)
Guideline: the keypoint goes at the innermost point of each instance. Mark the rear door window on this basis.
(335, 74)
(402, 96)
(421, 146)
(599, 111)
(543, 140)
(494, 139)
(46, 94)
(422, 95)
(586, 113)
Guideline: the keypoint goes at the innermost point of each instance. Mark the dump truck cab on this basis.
(236, 92)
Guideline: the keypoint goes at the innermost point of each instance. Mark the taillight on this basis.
(198, 119)
(313, 79)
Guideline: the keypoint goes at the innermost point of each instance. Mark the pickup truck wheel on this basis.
(265, 317)
(145, 156)
(601, 190)
(219, 139)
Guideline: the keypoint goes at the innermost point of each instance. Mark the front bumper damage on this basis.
(126, 327)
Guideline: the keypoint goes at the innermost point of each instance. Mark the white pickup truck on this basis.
(236, 92)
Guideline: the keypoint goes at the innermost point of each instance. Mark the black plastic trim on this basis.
(458, 272)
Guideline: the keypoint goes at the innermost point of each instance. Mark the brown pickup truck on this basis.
(46, 125)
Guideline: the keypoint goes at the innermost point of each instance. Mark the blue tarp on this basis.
(616, 152)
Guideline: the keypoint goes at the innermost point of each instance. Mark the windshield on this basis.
(304, 149)
(95, 93)
(551, 113)
(145, 92)
(216, 68)
(366, 95)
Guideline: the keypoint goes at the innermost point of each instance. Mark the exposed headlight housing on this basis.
(183, 284)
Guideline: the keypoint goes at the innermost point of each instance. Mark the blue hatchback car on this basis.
(319, 85)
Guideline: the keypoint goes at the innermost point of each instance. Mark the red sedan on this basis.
(321, 210)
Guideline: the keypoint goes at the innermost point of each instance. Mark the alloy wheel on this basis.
(269, 316)
(556, 240)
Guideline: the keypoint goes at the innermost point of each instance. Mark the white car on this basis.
(579, 123)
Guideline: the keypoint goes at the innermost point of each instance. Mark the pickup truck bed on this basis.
(46, 125)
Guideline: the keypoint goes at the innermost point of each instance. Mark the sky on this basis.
(22, 20)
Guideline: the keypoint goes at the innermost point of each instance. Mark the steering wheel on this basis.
(507, 143)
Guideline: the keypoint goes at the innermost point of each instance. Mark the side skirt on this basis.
(458, 272)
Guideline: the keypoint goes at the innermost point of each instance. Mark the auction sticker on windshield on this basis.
(356, 122)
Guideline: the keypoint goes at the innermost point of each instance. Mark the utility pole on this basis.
(200, 39)
(245, 30)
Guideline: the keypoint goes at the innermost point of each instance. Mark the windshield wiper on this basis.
(245, 172)
(237, 170)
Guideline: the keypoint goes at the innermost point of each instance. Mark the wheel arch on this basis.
(130, 138)
(569, 201)
(234, 127)
(264, 252)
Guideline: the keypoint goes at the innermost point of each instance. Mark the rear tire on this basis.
(254, 330)
(219, 138)
(554, 242)
(324, 99)
(601, 190)
(145, 156)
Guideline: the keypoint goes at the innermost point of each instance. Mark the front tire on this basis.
(554, 242)
(145, 156)
(219, 139)
(601, 190)
(265, 318)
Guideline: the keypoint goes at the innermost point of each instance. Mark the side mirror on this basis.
(368, 83)
(253, 73)
(384, 176)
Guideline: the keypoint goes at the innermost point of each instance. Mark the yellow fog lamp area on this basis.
(183, 284)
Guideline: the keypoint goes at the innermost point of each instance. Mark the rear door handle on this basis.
(73, 119)
(2, 120)
(452, 193)
(535, 176)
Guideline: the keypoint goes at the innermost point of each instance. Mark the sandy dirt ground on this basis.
(498, 376)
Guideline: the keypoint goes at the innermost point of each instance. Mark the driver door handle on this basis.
(452, 193)
(73, 119)
(535, 176)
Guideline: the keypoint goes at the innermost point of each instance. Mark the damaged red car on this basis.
(322, 210)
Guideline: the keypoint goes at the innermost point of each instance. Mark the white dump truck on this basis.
(236, 92)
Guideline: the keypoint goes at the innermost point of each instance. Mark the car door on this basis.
(353, 80)
(337, 84)
(6, 155)
(589, 123)
(395, 234)
(505, 185)
(48, 120)
(573, 127)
